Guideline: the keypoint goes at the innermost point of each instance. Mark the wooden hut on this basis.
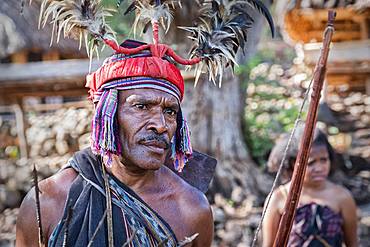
(31, 67)
(347, 87)
(349, 60)
(21, 41)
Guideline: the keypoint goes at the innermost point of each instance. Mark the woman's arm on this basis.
(272, 218)
(349, 213)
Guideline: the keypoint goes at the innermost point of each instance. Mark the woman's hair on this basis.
(278, 150)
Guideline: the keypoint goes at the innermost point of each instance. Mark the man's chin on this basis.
(146, 159)
(151, 163)
(151, 167)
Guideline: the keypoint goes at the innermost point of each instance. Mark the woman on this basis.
(326, 213)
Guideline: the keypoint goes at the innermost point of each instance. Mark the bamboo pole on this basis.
(291, 203)
(20, 124)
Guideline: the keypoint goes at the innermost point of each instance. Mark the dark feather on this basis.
(258, 5)
(130, 8)
(221, 31)
(146, 27)
(83, 20)
(22, 6)
(119, 2)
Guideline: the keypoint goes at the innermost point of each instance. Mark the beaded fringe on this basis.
(181, 149)
(104, 137)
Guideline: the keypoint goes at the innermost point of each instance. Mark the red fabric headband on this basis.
(155, 67)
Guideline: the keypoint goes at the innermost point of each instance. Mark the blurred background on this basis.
(45, 115)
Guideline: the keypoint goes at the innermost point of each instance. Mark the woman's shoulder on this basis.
(340, 191)
(279, 197)
(283, 190)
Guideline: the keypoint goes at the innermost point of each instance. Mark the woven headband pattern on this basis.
(139, 82)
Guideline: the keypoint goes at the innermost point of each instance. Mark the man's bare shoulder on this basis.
(195, 209)
(55, 188)
(53, 193)
(52, 189)
(57, 184)
(187, 194)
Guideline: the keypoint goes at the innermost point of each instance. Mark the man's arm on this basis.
(198, 216)
(204, 226)
(53, 194)
(27, 227)
(27, 230)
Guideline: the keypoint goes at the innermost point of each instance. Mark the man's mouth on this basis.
(158, 144)
(158, 147)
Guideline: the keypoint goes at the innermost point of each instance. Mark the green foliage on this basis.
(270, 107)
(121, 24)
(12, 152)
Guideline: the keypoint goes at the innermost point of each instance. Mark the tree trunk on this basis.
(215, 120)
(215, 116)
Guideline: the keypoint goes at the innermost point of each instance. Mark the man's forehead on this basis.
(146, 94)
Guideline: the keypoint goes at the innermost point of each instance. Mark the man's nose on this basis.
(158, 123)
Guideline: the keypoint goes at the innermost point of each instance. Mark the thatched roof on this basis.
(19, 32)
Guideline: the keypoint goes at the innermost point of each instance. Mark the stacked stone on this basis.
(352, 110)
(58, 133)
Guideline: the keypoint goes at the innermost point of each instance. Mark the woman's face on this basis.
(318, 166)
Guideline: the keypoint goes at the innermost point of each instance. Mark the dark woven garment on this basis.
(131, 215)
(316, 226)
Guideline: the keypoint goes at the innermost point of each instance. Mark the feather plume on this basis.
(222, 29)
(81, 19)
(152, 10)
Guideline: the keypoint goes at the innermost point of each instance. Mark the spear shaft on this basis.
(291, 203)
(38, 207)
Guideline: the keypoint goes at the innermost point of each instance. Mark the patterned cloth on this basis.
(316, 226)
(132, 217)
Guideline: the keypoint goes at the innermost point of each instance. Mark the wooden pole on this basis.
(297, 4)
(20, 123)
(291, 203)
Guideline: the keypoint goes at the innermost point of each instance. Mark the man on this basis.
(137, 121)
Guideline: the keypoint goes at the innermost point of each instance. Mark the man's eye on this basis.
(171, 112)
(141, 106)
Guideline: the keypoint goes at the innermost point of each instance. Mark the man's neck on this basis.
(135, 178)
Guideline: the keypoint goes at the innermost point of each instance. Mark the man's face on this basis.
(147, 123)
